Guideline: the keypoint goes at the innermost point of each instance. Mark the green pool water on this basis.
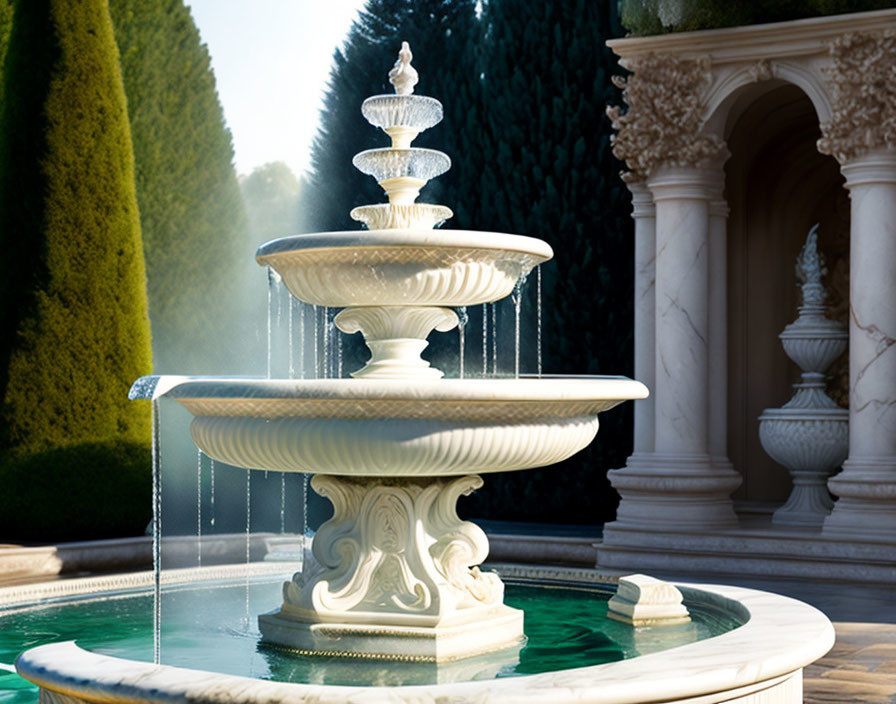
(204, 627)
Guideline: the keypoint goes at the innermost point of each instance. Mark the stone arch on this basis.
(735, 89)
(777, 186)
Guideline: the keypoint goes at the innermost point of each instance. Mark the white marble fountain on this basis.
(395, 572)
(394, 448)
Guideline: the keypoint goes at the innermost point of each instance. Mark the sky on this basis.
(271, 60)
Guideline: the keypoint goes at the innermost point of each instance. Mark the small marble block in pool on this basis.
(644, 601)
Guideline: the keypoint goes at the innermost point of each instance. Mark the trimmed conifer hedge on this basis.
(74, 328)
(199, 256)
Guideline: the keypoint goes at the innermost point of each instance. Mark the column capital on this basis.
(862, 117)
(875, 166)
(663, 123)
(686, 183)
(642, 200)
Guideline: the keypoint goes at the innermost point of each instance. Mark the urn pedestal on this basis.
(809, 434)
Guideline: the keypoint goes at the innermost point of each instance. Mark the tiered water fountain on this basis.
(394, 448)
(395, 573)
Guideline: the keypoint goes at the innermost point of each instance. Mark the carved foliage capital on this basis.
(862, 81)
(661, 126)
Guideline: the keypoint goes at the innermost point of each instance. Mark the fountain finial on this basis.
(810, 268)
(404, 76)
(809, 264)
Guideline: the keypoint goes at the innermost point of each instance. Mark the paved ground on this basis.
(861, 667)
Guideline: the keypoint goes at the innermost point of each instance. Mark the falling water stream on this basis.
(211, 467)
(291, 356)
(199, 509)
(462, 319)
(494, 339)
(282, 503)
(517, 297)
(339, 356)
(270, 325)
(538, 306)
(157, 532)
(248, 536)
(316, 351)
(328, 339)
(301, 306)
(484, 340)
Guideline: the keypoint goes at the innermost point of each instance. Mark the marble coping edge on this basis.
(25, 596)
(781, 637)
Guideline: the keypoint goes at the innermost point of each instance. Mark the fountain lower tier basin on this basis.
(412, 267)
(389, 427)
(743, 646)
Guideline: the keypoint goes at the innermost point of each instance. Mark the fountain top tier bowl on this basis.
(403, 267)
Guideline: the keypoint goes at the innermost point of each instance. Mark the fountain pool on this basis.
(573, 653)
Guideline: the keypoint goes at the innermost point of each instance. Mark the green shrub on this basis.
(74, 329)
(82, 492)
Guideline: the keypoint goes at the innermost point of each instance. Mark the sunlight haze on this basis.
(272, 60)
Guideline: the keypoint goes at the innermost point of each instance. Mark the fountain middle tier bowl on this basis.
(408, 267)
(388, 427)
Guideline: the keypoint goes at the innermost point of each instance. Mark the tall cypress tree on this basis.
(74, 331)
(194, 224)
(548, 172)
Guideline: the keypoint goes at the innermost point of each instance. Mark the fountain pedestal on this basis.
(396, 577)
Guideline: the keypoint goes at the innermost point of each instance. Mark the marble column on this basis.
(678, 486)
(644, 215)
(867, 485)
(718, 330)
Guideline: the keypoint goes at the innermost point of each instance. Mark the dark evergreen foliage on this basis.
(547, 171)
(74, 331)
(195, 232)
(644, 17)
(5, 27)
(524, 90)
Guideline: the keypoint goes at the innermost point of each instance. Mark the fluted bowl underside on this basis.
(387, 427)
(390, 446)
(403, 267)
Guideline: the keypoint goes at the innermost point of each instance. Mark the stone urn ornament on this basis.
(810, 433)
